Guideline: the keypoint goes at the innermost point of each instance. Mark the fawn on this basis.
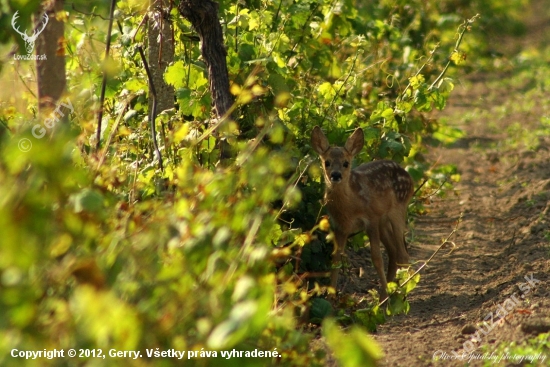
(372, 197)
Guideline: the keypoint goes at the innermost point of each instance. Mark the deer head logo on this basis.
(29, 40)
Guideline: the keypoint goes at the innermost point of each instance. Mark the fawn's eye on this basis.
(346, 164)
(327, 164)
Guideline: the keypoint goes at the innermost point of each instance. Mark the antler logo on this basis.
(29, 40)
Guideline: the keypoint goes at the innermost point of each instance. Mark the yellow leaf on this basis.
(416, 81)
(324, 225)
(457, 57)
(281, 100)
(61, 246)
(244, 97)
(181, 133)
(235, 89)
(124, 131)
(258, 90)
(253, 23)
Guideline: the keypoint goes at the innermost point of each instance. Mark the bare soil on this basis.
(503, 197)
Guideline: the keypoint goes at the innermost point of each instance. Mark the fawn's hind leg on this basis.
(398, 226)
(373, 231)
(386, 232)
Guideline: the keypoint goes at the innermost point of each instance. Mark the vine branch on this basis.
(465, 27)
(443, 243)
(104, 80)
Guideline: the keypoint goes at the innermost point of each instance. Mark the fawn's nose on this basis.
(335, 176)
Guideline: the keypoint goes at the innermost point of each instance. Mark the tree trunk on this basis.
(50, 72)
(161, 53)
(203, 15)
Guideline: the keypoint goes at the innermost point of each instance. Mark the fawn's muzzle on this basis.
(335, 176)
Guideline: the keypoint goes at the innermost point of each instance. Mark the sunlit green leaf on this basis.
(87, 200)
(354, 349)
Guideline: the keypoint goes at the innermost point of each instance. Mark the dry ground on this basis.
(504, 199)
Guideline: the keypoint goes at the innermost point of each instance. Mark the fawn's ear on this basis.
(319, 141)
(355, 142)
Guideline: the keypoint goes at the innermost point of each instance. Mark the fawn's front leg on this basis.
(339, 242)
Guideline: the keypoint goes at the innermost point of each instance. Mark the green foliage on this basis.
(375, 313)
(81, 267)
(532, 352)
(320, 310)
(353, 349)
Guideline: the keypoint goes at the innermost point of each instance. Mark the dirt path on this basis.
(504, 198)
